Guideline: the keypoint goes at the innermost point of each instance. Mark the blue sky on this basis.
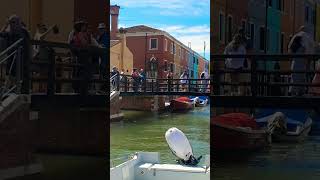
(186, 20)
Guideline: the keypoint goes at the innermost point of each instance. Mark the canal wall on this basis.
(72, 130)
(17, 138)
(145, 103)
(115, 104)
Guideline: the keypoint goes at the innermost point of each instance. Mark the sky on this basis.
(186, 20)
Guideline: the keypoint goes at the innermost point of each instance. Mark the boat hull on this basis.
(236, 138)
(177, 105)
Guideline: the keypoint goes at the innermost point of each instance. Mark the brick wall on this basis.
(142, 103)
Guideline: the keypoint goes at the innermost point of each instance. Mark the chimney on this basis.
(114, 12)
(123, 46)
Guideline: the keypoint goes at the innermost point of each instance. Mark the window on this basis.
(179, 52)
(198, 61)
(282, 5)
(282, 43)
(306, 14)
(313, 17)
(172, 67)
(191, 73)
(174, 48)
(153, 43)
(229, 28)
(165, 45)
(221, 27)
(194, 60)
(243, 25)
(171, 48)
(268, 38)
(262, 38)
(270, 3)
(165, 65)
(252, 30)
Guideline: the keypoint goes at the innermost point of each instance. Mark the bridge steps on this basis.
(17, 138)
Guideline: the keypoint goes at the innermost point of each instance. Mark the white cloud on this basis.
(169, 7)
(196, 35)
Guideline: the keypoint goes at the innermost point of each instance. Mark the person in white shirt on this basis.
(235, 47)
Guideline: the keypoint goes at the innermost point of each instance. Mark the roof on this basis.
(142, 28)
(114, 42)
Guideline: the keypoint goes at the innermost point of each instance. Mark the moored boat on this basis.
(297, 124)
(182, 104)
(203, 101)
(237, 131)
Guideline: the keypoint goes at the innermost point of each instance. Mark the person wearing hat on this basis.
(12, 32)
(103, 40)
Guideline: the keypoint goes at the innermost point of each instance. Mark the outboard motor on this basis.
(180, 147)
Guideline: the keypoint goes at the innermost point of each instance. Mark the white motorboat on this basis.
(147, 166)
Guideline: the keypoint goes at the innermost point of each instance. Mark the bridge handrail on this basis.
(221, 57)
(262, 78)
(14, 51)
(89, 48)
(14, 45)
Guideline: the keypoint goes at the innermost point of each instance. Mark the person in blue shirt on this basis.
(103, 40)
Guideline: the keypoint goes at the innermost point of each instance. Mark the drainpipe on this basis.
(145, 54)
(294, 17)
(266, 27)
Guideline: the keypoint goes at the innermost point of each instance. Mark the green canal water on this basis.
(141, 131)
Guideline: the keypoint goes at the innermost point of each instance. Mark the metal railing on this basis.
(114, 83)
(11, 69)
(137, 85)
(68, 69)
(263, 76)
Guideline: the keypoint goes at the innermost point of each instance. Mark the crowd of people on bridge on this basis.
(79, 38)
(300, 43)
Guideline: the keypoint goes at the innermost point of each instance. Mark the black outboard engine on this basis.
(180, 147)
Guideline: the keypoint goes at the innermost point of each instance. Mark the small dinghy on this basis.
(147, 166)
(295, 126)
(237, 131)
(203, 101)
(182, 104)
(200, 101)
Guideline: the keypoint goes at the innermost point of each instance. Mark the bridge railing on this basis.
(265, 75)
(11, 69)
(62, 68)
(153, 85)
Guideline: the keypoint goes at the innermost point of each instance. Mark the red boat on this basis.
(237, 131)
(181, 104)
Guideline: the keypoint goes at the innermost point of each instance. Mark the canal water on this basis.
(295, 161)
(142, 131)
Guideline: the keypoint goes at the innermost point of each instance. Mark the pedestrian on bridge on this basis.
(184, 80)
(142, 79)
(12, 32)
(103, 40)
(136, 79)
(170, 80)
(235, 65)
